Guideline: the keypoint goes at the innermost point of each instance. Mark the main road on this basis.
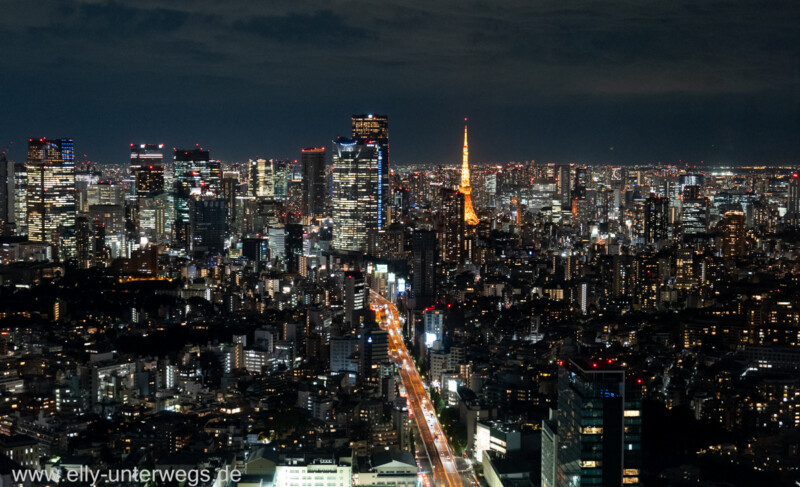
(443, 462)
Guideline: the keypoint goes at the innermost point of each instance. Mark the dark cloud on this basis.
(114, 19)
(324, 27)
(426, 60)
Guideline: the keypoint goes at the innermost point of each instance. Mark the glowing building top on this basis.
(469, 213)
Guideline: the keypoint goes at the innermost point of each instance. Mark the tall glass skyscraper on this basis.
(5, 186)
(376, 128)
(793, 202)
(355, 195)
(262, 178)
(280, 177)
(21, 197)
(564, 186)
(656, 219)
(694, 212)
(147, 169)
(313, 166)
(595, 436)
(423, 264)
(51, 208)
(196, 174)
(451, 226)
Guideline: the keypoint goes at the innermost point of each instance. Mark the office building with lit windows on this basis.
(51, 208)
(434, 328)
(355, 192)
(20, 191)
(156, 215)
(732, 229)
(230, 189)
(356, 299)
(793, 201)
(5, 192)
(196, 174)
(262, 178)
(580, 183)
(280, 179)
(147, 169)
(656, 219)
(207, 224)
(596, 432)
(451, 226)
(694, 212)
(373, 355)
(376, 128)
(564, 186)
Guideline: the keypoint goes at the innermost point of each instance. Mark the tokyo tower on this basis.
(469, 213)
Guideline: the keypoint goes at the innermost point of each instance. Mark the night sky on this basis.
(551, 80)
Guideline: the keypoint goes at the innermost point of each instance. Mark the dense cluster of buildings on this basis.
(183, 313)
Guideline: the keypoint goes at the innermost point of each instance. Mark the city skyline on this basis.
(218, 269)
(558, 324)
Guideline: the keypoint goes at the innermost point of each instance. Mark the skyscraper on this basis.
(401, 205)
(793, 202)
(694, 212)
(684, 180)
(466, 189)
(207, 224)
(434, 328)
(114, 221)
(147, 169)
(376, 128)
(313, 166)
(423, 243)
(262, 178)
(596, 430)
(195, 174)
(21, 197)
(100, 250)
(355, 198)
(51, 206)
(732, 229)
(294, 247)
(564, 185)
(156, 216)
(4, 193)
(656, 219)
(280, 178)
(230, 185)
(373, 355)
(451, 225)
(83, 242)
(579, 186)
(356, 299)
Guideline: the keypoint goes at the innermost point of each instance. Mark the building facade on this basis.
(313, 167)
(598, 426)
(355, 192)
(147, 169)
(50, 195)
(376, 128)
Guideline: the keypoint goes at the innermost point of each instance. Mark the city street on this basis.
(443, 461)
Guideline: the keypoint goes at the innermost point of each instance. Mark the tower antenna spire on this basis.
(466, 189)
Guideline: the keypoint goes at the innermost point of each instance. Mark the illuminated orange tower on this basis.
(469, 213)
